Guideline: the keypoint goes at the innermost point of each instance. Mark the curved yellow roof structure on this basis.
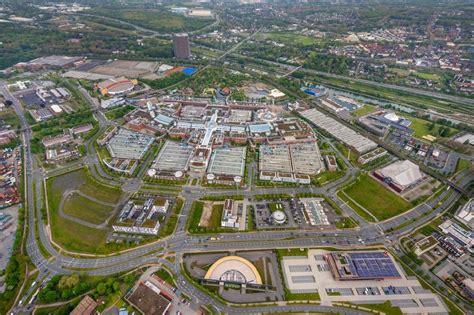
(234, 268)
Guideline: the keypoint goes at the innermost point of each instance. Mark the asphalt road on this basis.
(180, 242)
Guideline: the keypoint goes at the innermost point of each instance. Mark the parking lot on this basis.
(7, 235)
(263, 214)
(295, 210)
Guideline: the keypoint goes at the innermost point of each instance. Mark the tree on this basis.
(431, 126)
(101, 288)
(116, 286)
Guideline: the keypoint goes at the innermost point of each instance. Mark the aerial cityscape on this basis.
(187, 157)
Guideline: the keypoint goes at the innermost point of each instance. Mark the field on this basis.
(346, 223)
(216, 216)
(157, 20)
(213, 223)
(462, 164)
(428, 76)
(169, 225)
(10, 118)
(88, 210)
(290, 38)
(366, 109)
(399, 72)
(96, 190)
(376, 199)
(70, 235)
(421, 128)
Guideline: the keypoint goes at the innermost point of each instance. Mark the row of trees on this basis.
(61, 288)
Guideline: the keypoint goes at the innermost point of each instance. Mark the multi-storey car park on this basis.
(294, 162)
(173, 157)
(228, 161)
(126, 144)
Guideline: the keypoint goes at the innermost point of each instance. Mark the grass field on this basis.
(216, 216)
(326, 177)
(377, 199)
(427, 76)
(366, 216)
(158, 20)
(421, 128)
(462, 164)
(170, 224)
(70, 235)
(292, 252)
(290, 38)
(83, 208)
(399, 72)
(346, 223)
(164, 275)
(386, 308)
(366, 109)
(274, 206)
(10, 117)
(302, 296)
(97, 190)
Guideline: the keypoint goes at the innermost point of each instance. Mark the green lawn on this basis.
(377, 199)
(155, 19)
(399, 72)
(83, 208)
(215, 221)
(291, 38)
(195, 218)
(164, 275)
(421, 128)
(427, 76)
(170, 224)
(68, 234)
(355, 207)
(346, 223)
(364, 110)
(97, 190)
(301, 296)
(326, 177)
(9, 116)
(274, 206)
(462, 164)
(292, 252)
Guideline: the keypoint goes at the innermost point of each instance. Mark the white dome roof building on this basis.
(279, 217)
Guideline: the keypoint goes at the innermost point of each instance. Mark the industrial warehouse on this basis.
(351, 138)
(400, 175)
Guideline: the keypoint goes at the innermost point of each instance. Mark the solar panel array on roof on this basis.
(372, 265)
